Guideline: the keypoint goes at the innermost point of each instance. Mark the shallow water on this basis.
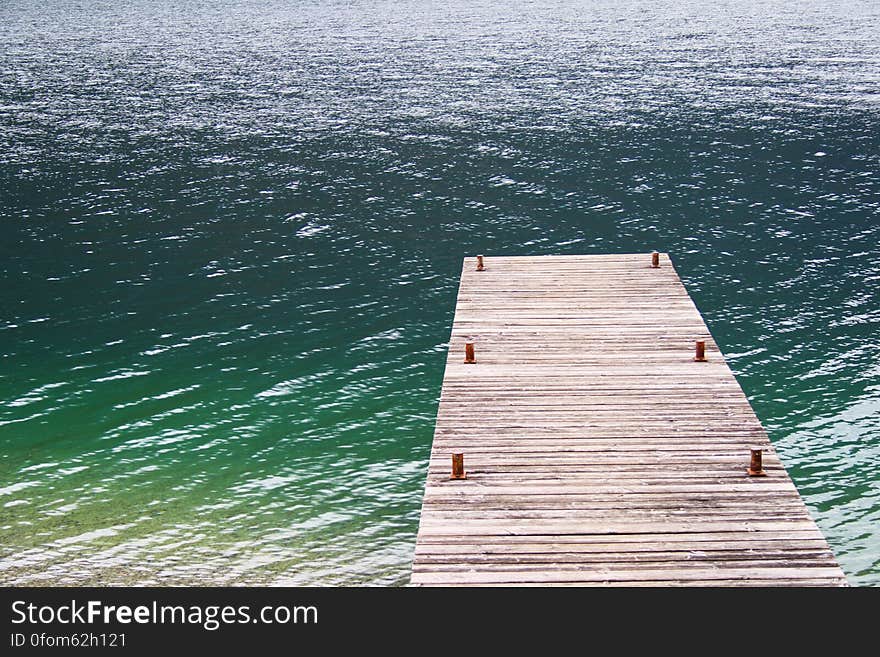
(232, 234)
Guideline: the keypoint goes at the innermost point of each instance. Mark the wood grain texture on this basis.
(597, 451)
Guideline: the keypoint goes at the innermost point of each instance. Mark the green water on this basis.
(232, 233)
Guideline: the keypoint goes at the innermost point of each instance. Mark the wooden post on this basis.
(701, 352)
(469, 353)
(756, 467)
(480, 266)
(458, 467)
(655, 260)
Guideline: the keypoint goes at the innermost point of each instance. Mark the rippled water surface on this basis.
(232, 232)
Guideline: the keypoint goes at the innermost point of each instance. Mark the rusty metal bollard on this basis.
(756, 466)
(458, 467)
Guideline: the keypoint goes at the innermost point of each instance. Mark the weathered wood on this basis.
(598, 451)
(720, 576)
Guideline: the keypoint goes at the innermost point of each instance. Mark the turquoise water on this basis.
(232, 234)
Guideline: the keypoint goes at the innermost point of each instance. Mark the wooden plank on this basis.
(618, 549)
(566, 541)
(599, 453)
(723, 576)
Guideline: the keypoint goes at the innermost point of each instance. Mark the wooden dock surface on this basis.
(597, 451)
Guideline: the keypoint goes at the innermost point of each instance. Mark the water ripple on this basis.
(233, 236)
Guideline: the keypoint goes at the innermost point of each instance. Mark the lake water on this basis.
(232, 233)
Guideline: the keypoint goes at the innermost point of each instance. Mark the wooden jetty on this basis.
(597, 448)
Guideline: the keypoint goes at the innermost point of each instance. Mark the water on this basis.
(232, 233)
